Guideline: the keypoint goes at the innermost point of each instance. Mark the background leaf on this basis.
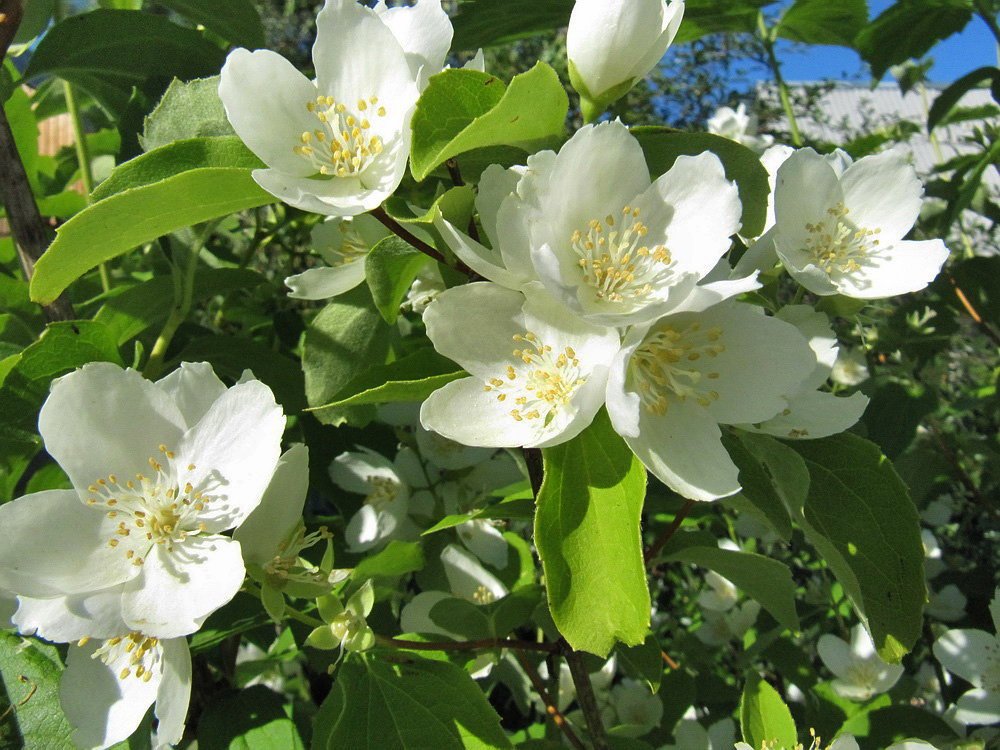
(235, 20)
(764, 717)
(823, 22)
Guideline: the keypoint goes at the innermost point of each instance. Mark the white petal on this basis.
(882, 191)
(467, 577)
(895, 269)
(178, 589)
(835, 653)
(805, 187)
(55, 545)
(484, 541)
(463, 412)
(194, 387)
(424, 32)
(323, 283)
(280, 508)
(265, 99)
(102, 420)
(103, 708)
(64, 619)
(234, 449)
(495, 184)
(815, 414)
(487, 263)
(416, 615)
(175, 691)
(335, 196)
(978, 707)
(353, 471)
(966, 653)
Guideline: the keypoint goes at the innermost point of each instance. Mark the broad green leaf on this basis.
(461, 110)
(884, 725)
(250, 719)
(947, 99)
(461, 617)
(398, 558)
(191, 109)
(390, 268)
(587, 534)
(764, 717)
(345, 339)
(128, 311)
(412, 378)
(481, 23)
(175, 158)
(764, 580)
(117, 224)
(456, 205)
(235, 20)
(410, 704)
(109, 52)
(37, 14)
(515, 508)
(759, 496)
(662, 146)
(703, 17)
(910, 28)
(25, 131)
(823, 22)
(644, 661)
(858, 515)
(29, 673)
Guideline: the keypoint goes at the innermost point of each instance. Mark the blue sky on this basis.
(955, 56)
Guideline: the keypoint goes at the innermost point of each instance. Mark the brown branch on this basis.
(30, 232)
(670, 662)
(404, 234)
(585, 695)
(985, 327)
(486, 643)
(650, 554)
(453, 171)
(550, 706)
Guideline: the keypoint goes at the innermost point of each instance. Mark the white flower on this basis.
(604, 240)
(843, 742)
(538, 373)
(673, 383)
(719, 628)
(851, 367)
(859, 670)
(383, 516)
(613, 43)
(109, 685)
(947, 604)
(812, 413)
(737, 125)
(911, 745)
(840, 225)
(974, 655)
(689, 734)
(723, 595)
(637, 710)
(344, 245)
(338, 145)
(160, 470)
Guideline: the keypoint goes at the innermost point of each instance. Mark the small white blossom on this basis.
(737, 125)
(344, 244)
(974, 655)
(860, 671)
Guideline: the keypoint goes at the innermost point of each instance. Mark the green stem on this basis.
(183, 298)
(83, 158)
(786, 99)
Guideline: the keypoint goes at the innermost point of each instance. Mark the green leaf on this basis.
(109, 52)
(128, 311)
(587, 534)
(662, 146)
(234, 20)
(764, 580)
(414, 703)
(644, 661)
(174, 159)
(191, 109)
(390, 268)
(345, 339)
(481, 23)
(25, 131)
(397, 559)
(461, 110)
(759, 496)
(703, 17)
(823, 22)
(412, 378)
(910, 28)
(764, 717)
(250, 719)
(885, 725)
(947, 99)
(117, 224)
(30, 672)
(857, 513)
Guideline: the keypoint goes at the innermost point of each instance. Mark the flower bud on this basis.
(613, 43)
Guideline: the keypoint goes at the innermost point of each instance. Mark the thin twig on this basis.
(404, 234)
(550, 706)
(585, 695)
(30, 232)
(453, 171)
(484, 644)
(670, 662)
(985, 327)
(650, 554)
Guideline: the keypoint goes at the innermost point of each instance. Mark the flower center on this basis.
(613, 259)
(288, 566)
(863, 674)
(483, 595)
(542, 381)
(671, 363)
(352, 247)
(154, 509)
(837, 243)
(384, 491)
(341, 146)
(134, 654)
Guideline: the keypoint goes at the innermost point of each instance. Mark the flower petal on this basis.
(265, 99)
(102, 419)
(835, 653)
(978, 707)
(467, 577)
(966, 653)
(334, 196)
(64, 619)
(424, 32)
(234, 449)
(178, 589)
(56, 545)
(280, 507)
(194, 387)
(463, 412)
(175, 691)
(326, 282)
(815, 414)
(882, 191)
(899, 268)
